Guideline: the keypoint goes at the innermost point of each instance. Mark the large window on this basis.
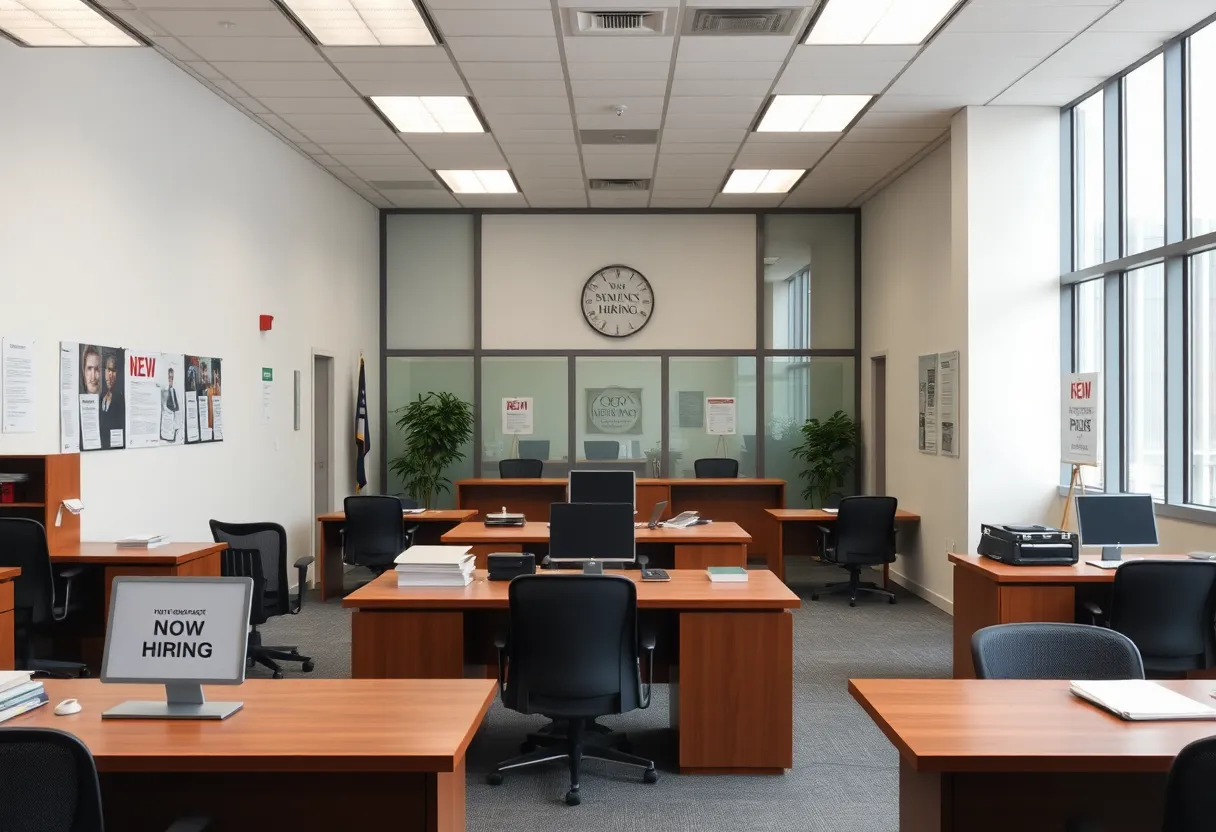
(1144, 166)
(1203, 379)
(1089, 190)
(1202, 110)
(1145, 373)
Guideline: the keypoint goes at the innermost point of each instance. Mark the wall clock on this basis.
(617, 301)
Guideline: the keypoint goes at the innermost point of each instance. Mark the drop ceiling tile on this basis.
(747, 48)
(609, 89)
(181, 23)
(652, 105)
(288, 71)
(557, 200)
(791, 138)
(327, 106)
(512, 136)
(669, 202)
(449, 158)
(253, 105)
(1165, 19)
(397, 71)
(252, 49)
(500, 122)
(618, 49)
(380, 54)
(175, 48)
(748, 200)
(205, 70)
(407, 86)
(397, 173)
(487, 4)
(492, 200)
(334, 121)
(507, 71)
(944, 105)
(620, 71)
(527, 50)
(894, 134)
(497, 22)
(672, 162)
(299, 89)
(324, 136)
(735, 70)
(706, 194)
(515, 88)
(708, 121)
(636, 152)
(310, 148)
(777, 157)
(622, 167)
(391, 147)
(530, 182)
(286, 130)
(395, 161)
(710, 183)
(525, 105)
(142, 24)
(422, 199)
(679, 135)
(720, 88)
(907, 119)
(1056, 17)
(629, 121)
(706, 105)
(566, 167)
(616, 199)
(554, 150)
(184, 4)
(229, 88)
(703, 148)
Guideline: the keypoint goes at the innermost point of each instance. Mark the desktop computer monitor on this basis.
(534, 449)
(591, 533)
(601, 487)
(1113, 521)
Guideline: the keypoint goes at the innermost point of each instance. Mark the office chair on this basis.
(259, 551)
(573, 654)
(534, 449)
(716, 468)
(1054, 651)
(601, 449)
(48, 783)
(42, 595)
(1190, 801)
(1166, 608)
(520, 468)
(375, 531)
(864, 535)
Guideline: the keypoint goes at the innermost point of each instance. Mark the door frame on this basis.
(312, 445)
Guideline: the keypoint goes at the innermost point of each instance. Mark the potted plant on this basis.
(436, 426)
(829, 449)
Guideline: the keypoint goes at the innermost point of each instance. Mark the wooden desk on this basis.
(727, 649)
(1000, 756)
(310, 753)
(989, 592)
(8, 658)
(795, 532)
(741, 500)
(715, 544)
(431, 524)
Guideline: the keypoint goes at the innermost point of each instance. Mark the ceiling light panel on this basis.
(811, 113)
(362, 22)
(428, 113)
(761, 181)
(878, 21)
(60, 23)
(478, 181)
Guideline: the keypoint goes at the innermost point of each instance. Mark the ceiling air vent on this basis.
(620, 184)
(741, 21)
(616, 22)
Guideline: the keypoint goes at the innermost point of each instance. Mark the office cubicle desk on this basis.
(796, 534)
(1010, 756)
(431, 524)
(989, 592)
(7, 626)
(302, 754)
(727, 650)
(741, 500)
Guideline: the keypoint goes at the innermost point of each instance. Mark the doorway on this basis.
(322, 433)
(878, 364)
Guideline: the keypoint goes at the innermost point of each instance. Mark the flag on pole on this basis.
(363, 431)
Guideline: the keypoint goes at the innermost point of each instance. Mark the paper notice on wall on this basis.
(192, 431)
(517, 416)
(217, 424)
(170, 378)
(267, 395)
(205, 418)
(90, 421)
(947, 401)
(720, 416)
(1080, 427)
(69, 407)
(143, 394)
(18, 382)
(927, 405)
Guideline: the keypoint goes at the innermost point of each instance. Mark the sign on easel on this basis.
(1080, 427)
(517, 416)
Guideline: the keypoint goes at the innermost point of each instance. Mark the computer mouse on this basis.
(68, 706)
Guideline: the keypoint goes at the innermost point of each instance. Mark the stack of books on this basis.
(142, 541)
(435, 566)
(19, 693)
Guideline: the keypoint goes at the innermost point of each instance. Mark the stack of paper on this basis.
(727, 574)
(142, 541)
(18, 693)
(1137, 699)
(435, 566)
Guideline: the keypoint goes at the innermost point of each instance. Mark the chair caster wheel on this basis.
(307, 667)
(650, 776)
(852, 603)
(814, 596)
(527, 747)
(891, 600)
(494, 778)
(573, 798)
(295, 651)
(278, 674)
(84, 673)
(248, 662)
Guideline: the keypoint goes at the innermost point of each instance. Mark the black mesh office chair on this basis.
(573, 654)
(1167, 609)
(601, 449)
(1054, 651)
(48, 783)
(863, 535)
(42, 595)
(259, 551)
(520, 468)
(715, 468)
(374, 532)
(1190, 800)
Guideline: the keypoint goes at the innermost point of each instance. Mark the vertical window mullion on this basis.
(1176, 467)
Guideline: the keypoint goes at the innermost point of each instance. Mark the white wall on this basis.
(702, 268)
(140, 210)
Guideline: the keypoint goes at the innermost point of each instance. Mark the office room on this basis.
(702, 413)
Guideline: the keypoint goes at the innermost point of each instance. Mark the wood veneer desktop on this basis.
(741, 500)
(7, 625)
(431, 524)
(311, 754)
(1006, 756)
(714, 544)
(795, 534)
(727, 649)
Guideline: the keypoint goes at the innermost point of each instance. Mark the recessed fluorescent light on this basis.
(362, 22)
(761, 181)
(878, 21)
(811, 113)
(478, 181)
(428, 113)
(60, 23)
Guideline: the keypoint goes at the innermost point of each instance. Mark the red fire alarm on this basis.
(264, 322)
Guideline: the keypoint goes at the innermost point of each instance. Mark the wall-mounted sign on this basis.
(617, 301)
(517, 416)
(614, 410)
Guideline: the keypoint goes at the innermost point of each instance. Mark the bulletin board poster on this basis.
(926, 380)
(171, 382)
(517, 416)
(204, 399)
(92, 397)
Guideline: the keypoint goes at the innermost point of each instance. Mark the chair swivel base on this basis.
(554, 733)
(853, 586)
(270, 656)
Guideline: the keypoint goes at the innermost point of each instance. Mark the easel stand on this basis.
(1073, 482)
(513, 450)
(720, 450)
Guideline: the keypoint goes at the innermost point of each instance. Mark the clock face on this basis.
(617, 301)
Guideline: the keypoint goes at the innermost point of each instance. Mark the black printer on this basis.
(1029, 545)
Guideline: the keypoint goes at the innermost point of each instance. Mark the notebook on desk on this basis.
(1139, 700)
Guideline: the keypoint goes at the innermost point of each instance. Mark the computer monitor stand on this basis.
(1112, 553)
(593, 567)
(182, 701)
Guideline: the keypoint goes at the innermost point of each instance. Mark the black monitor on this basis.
(1113, 521)
(602, 487)
(591, 533)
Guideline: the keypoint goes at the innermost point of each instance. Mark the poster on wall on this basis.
(614, 410)
(69, 409)
(947, 401)
(204, 400)
(691, 403)
(97, 374)
(170, 383)
(720, 416)
(17, 386)
(1080, 426)
(143, 395)
(517, 417)
(926, 378)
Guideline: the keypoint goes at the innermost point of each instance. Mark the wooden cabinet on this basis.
(48, 480)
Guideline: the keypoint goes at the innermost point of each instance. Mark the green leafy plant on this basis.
(436, 426)
(829, 449)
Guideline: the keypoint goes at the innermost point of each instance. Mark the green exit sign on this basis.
(267, 374)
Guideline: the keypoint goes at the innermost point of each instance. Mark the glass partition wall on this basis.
(654, 412)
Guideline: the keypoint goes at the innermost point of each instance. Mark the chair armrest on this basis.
(191, 824)
(1096, 614)
(302, 585)
(647, 641)
(66, 575)
(69, 573)
(826, 534)
(500, 643)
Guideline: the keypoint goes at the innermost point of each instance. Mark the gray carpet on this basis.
(844, 777)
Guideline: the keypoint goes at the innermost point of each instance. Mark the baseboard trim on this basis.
(937, 600)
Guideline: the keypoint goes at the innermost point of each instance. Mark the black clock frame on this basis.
(601, 270)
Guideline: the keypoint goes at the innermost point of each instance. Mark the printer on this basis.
(1031, 545)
